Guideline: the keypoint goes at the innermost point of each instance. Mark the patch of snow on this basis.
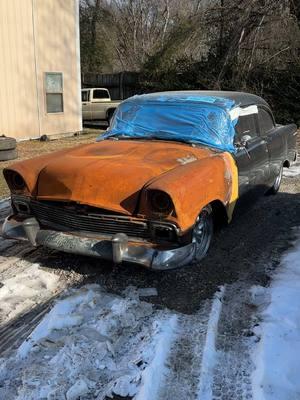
(260, 296)
(153, 375)
(293, 171)
(25, 290)
(80, 388)
(4, 203)
(276, 355)
(209, 351)
(92, 344)
(60, 317)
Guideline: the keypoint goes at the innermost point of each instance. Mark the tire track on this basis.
(192, 356)
(12, 265)
(15, 258)
(231, 377)
(185, 357)
(16, 331)
(232, 373)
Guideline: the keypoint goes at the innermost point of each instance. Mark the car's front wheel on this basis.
(274, 189)
(203, 233)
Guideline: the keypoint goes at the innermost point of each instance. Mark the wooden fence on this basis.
(121, 85)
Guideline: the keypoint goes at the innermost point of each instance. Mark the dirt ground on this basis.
(33, 148)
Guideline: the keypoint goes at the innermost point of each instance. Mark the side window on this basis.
(85, 95)
(54, 92)
(246, 125)
(100, 94)
(265, 120)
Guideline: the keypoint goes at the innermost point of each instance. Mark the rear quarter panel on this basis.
(288, 134)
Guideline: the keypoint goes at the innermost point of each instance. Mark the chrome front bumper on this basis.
(117, 248)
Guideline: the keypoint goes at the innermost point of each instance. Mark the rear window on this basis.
(265, 121)
(100, 94)
(85, 95)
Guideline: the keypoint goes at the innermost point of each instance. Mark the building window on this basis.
(54, 92)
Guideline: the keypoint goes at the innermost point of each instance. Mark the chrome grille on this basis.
(69, 220)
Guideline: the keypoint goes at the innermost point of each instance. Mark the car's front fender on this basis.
(194, 185)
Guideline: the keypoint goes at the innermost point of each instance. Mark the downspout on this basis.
(36, 68)
(77, 36)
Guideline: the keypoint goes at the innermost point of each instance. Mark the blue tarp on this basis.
(177, 117)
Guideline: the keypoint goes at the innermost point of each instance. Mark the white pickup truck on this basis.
(97, 104)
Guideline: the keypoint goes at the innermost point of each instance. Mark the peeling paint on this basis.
(186, 160)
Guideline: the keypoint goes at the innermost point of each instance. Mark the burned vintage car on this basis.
(150, 191)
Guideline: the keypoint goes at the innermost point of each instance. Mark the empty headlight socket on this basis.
(163, 232)
(21, 207)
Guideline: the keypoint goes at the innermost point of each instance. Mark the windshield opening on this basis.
(199, 123)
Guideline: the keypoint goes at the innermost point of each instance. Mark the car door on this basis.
(274, 140)
(86, 105)
(251, 157)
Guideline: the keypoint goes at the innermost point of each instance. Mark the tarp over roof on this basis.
(177, 116)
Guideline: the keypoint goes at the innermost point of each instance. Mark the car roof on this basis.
(95, 88)
(242, 99)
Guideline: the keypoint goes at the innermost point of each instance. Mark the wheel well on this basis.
(286, 164)
(219, 213)
(110, 112)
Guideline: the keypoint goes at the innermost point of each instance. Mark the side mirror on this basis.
(245, 139)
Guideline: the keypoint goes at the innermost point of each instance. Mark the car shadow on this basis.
(96, 124)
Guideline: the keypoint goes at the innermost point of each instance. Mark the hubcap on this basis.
(202, 235)
(278, 180)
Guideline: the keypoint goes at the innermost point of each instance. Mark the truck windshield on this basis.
(201, 123)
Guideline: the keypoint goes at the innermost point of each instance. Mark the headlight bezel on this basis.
(160, 202)
(15, 181)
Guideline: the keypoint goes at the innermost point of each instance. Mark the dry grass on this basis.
(33, 148)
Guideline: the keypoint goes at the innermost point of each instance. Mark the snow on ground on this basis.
(293, 171)
(92, 344)
(4, 209)
(276, 355)
(210, 354)
(24, 290)
(4, 203)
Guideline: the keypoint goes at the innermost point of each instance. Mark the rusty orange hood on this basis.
(108, 174)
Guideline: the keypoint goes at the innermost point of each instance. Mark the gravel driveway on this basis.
(242, 255)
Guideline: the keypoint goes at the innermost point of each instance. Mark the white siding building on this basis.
(39, 68)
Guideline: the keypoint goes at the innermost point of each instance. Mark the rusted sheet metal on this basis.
(195, 185)
(30, 169)
(115, 175)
